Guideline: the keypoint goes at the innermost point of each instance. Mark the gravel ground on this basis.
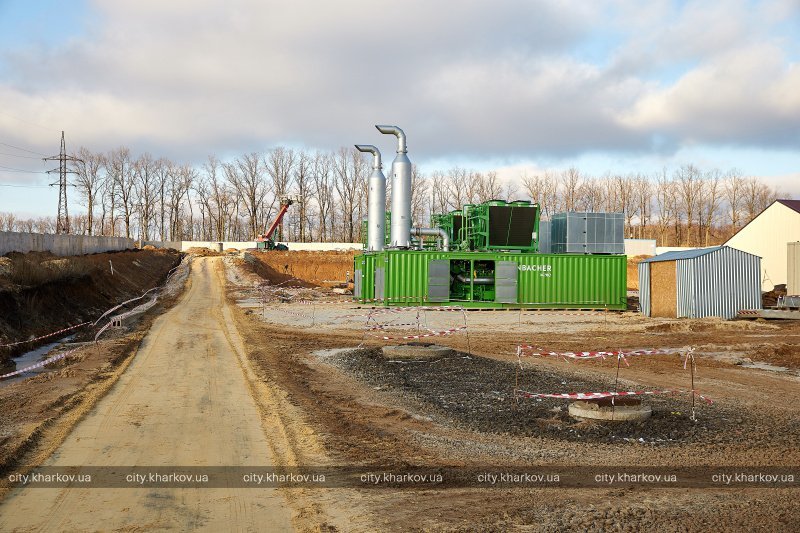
(476, 393)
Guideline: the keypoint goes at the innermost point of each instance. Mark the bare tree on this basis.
(710, 196)
(349, 168)
(181, 181)
(689, 192)
(89, 181)
(244, 174)
(666, 202)
(590, 195)
(419, 194)
(323, 187)
(163, 169)
(279, 163)
(457, 193)
(302, 187)
(733, 188)
(643, 194)
(624, 188)
(146, 188)
(119, 169)
(570, 188)
(489, 186)
(438, 183)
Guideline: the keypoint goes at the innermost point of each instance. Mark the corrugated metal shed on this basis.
(681, 254)
(716, 281)
(644, 289)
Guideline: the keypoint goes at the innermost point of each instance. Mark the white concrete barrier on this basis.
(221, 246)
(634, 247)
(63, 245)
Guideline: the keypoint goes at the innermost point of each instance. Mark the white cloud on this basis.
(748, 95)
(188, 78)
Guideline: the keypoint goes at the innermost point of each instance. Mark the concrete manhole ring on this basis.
(621, 412)
(416, 351)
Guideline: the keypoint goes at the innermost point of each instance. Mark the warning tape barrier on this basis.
(142, 307)
(424, 335)
(573, 313)
(525, 350)
(70, 328)
(391, 310)
(607, 394)
(40, 364)
(40, 337)
(123, 304)
(392, 325)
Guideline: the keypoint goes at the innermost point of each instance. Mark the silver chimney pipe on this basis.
(376, 201)
(433, 232)
(401, 190)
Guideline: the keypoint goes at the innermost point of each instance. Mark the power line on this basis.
(24, 186)
(10, 169)
(27, 121)
(23, 149)
(22, 156)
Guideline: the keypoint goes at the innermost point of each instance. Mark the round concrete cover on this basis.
(618, 413)
(416, 351)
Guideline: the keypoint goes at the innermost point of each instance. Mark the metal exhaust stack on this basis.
(401, 190)
(376, 201)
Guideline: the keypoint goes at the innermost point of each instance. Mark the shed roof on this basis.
(688, 254)
(791, 204)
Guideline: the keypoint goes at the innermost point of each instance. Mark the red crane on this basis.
(265, 239)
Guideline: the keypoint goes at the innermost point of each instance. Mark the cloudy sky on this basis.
(620, 86)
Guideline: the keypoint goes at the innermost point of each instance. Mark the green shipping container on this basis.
(492, 279)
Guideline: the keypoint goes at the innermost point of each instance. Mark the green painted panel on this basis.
(567, 281)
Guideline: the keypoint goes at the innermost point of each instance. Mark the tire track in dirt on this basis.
(166, 411)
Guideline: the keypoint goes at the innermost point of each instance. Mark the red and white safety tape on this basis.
(64, 330)
(524, 350)
(393, 325)
(70, 328)
(390, 310)
(556, 313)
(40, 364)
(422, 336)
(607, 394)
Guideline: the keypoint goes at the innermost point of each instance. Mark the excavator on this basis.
(264, 241)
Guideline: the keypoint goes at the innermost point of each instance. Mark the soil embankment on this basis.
(41, 293)
(310, 269)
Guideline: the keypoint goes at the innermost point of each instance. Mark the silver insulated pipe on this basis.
(434, 232)
(376, 201)
(401, 190)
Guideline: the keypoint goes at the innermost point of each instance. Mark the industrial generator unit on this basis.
(482, 255)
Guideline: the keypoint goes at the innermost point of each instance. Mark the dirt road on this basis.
(184, 401)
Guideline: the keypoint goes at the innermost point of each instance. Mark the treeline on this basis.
(157, 199)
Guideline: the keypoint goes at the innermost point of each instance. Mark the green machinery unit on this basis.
(491, 279)
(492, 262)
(493, 225)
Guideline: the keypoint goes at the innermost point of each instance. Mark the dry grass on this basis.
(31, 270)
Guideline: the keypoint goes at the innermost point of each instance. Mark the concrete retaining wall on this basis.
(175, 245)
(64, 245)
(244, 245)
